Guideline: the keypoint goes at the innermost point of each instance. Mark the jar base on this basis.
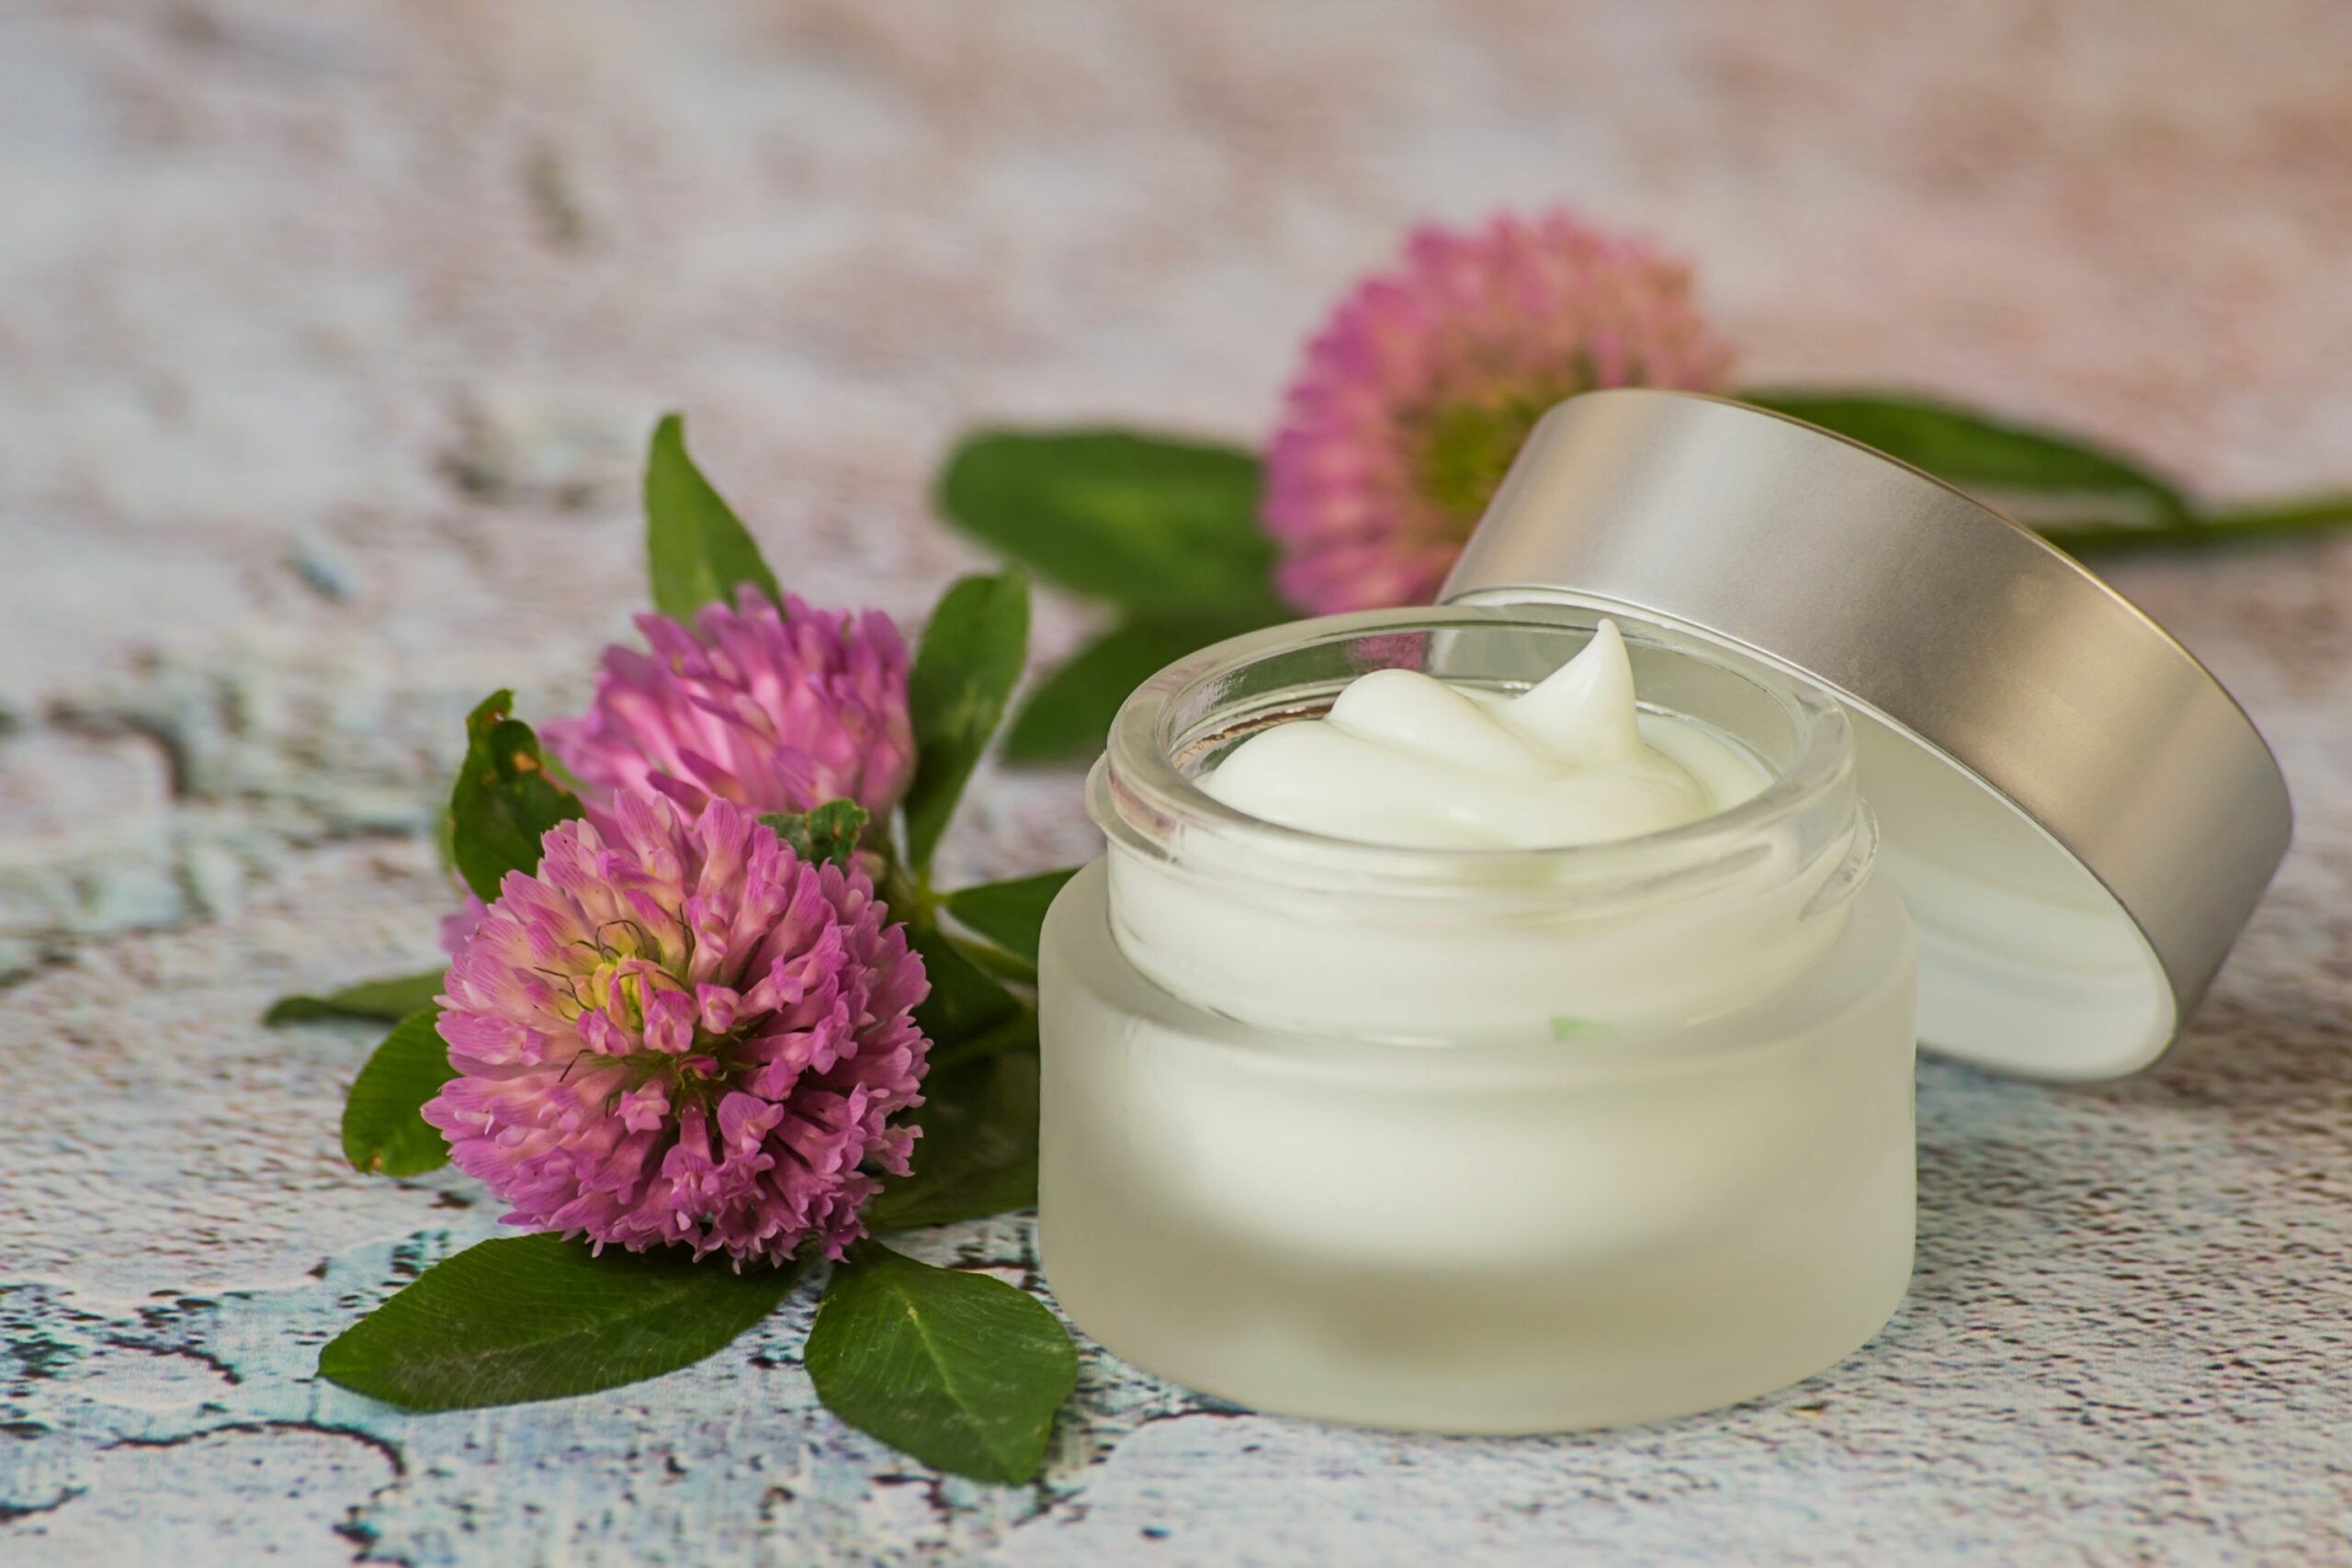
(1536, 1311)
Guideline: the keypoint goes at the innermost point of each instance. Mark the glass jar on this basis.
(1476, 1141)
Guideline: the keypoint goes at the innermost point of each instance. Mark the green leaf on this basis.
(697, 551)
(971, 654)
(961, 1371)
(978, 1154)
(964, 1001)
(827, 835)
(382, 1127)
(2008, 465)
(1068, 715)
(389, 999)
(1009, 914)
(2080, 496)
(2234, 525)
(504, 802)
(1148, 524)
(1016, 1033)
(539, 1317)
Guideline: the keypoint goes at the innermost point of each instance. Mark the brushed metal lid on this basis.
(2079, 818)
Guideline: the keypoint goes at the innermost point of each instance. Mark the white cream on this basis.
(1531, 947)
(1407, 759)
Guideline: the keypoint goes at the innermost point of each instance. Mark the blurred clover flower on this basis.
(677, 1032)
(1418, 392)
(773, 710)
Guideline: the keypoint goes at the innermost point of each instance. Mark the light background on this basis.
(329, 335)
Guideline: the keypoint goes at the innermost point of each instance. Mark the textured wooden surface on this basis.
(328, 333)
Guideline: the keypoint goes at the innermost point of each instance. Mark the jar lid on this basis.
(2078, 816)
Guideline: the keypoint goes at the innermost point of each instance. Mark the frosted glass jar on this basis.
(1476, 1141)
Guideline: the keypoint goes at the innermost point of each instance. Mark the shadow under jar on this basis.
(1476, 1141)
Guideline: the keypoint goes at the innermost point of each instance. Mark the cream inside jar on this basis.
(1478, 1137)
(1405, 759)
(1503, 843)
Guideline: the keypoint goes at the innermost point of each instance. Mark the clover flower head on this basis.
(677, 1032)
(1420, 387)
(776, 709)
(457, 929)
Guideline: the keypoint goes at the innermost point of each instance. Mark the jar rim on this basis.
(1138, 791)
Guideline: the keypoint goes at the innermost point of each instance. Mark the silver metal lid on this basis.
(2077, 814)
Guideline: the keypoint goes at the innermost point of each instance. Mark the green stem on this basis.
(998, 964)
(2231, 526)
(2288, 516)
(909, 894)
